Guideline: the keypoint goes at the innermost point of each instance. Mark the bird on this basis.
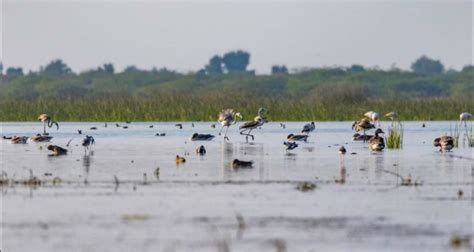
(241, 164)
(93, 128)
(57, 150)
(179, 125)
(17, 139)
(297, 137)
(105, 125)
(47, 121)
(117, 125)
(87, 142)
(125, 127)
(290, 145)
(342, 150)
(213, 125)
(282, 125)
(463, 117)
(308, 128)
(359, 137)
(38, 138)
(373, 116)
(445, 143)
(227, 118)
(79, 132)
(202, 137)
(180, 160)
(376, 142)
(201, 150)
(151, 126)
(392, 115)
(363, 124)
(258, 121)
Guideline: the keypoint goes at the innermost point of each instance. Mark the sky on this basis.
(184, 35)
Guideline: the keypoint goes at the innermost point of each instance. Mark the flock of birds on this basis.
(229, 117)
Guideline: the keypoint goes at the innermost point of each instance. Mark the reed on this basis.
(190, 107)
(395, 136)
(455, 133)
(470, 137)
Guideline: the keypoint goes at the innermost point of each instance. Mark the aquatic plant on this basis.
(455, 134)
(395, 136)
(470, 137)
(306, 186)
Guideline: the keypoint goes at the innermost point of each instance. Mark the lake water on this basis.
(195, 206)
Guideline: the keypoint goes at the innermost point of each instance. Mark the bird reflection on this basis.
(86, 163)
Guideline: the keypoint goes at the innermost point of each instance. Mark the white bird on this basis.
(227, 118)
(463, 117)
(392, 115)
(46, 120)
(373, 116)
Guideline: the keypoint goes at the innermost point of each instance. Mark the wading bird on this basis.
(308, 128)
(57, 150)
(363, 124)
(202, 137)
(258, 121)
(463, 117)
(392, 115)
(445, 143)
(47, 121)
(297, 137)
(377, 143)
(241, 164)
(227, 118)
(373, 116)
(87, 142)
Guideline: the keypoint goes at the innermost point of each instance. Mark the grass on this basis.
(455, 134)
(395, 136)
(470, 137)
(189, 107)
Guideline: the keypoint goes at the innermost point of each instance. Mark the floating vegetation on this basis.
(460, 241)
(135, 217)
(395, 136)
(306, 186)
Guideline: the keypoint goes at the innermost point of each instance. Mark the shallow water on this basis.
(193, 206)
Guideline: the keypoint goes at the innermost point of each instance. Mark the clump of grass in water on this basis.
(395, 136)
(470, 137)
(455, 134)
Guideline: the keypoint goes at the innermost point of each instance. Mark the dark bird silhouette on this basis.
(241, 164)
(57, 150)
(202, 137)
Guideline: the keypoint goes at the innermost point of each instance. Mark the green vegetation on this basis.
(395, 136)
(337, 93)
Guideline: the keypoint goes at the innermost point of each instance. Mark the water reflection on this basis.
(86, 163)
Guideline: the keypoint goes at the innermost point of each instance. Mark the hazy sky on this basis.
(183, 35)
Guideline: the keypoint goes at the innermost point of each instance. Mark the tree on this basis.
(236, 61)
(109, 68)
(279, 69)
(13, 72)
(131, 69)
(56, 67)
(425, 65)
(356, 69)
(215, 66)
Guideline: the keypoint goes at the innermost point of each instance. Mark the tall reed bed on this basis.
(192, 107)
(395, 136)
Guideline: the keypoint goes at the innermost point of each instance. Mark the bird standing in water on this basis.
(87, 142)
(47, 121)
(308, 128)
(227, 118)
(463, 117)
(258, 121)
